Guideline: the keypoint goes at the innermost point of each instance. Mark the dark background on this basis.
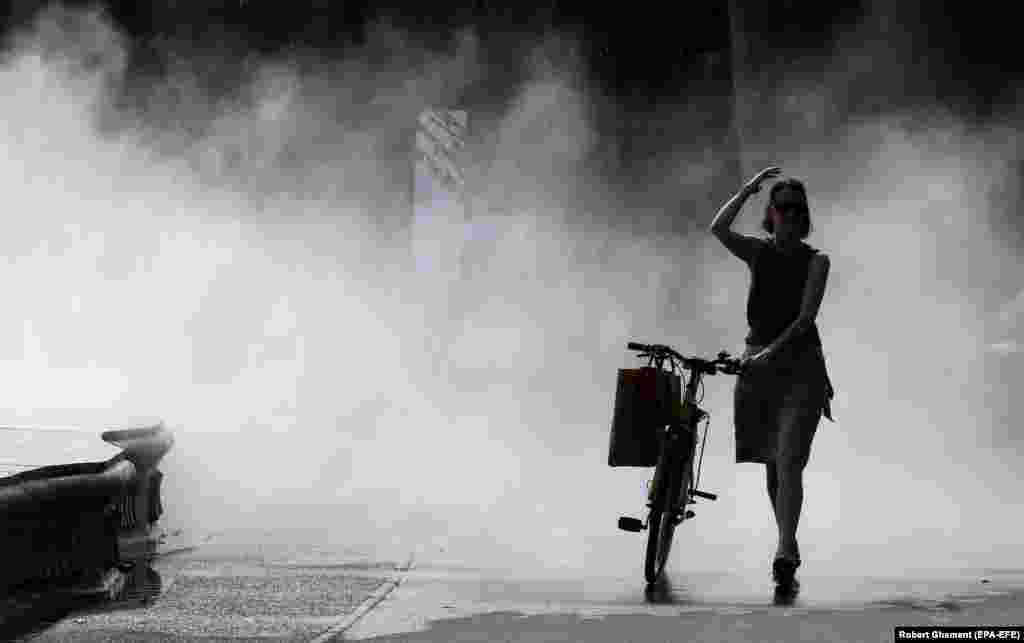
(630, 48)
(643, 60)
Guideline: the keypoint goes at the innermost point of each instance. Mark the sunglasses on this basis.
(783, 211)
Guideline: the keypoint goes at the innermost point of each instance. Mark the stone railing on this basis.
(71, 524)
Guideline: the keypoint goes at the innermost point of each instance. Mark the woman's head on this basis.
(787, 212)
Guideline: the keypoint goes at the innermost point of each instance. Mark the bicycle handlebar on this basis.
(722, 364)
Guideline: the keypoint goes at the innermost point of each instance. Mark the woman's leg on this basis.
(788, 504)
(798, 424)
(773, 489)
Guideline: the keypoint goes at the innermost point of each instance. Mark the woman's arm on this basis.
(814, 291)
(740, 245)
(723, 220)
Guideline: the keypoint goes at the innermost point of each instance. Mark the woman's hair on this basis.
(803, 210)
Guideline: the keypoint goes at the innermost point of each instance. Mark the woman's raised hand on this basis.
(754, 185)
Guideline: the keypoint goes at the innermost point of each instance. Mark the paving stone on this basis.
(230, 592)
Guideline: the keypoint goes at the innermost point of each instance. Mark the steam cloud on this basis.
(225, 260)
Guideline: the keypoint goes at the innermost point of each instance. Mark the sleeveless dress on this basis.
(778, 404)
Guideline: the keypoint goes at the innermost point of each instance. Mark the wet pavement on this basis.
(293, 586)
(449, 604)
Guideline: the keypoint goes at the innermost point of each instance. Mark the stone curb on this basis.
(365, 607)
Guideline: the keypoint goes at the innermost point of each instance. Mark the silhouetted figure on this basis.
(784, 389)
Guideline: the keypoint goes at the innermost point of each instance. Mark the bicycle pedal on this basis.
(630, 524)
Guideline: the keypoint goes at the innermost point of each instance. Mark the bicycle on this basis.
(677, 446)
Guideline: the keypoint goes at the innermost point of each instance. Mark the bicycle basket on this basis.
(643, 405)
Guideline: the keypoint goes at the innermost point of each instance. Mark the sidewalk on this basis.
(231, 588)
(275, 584)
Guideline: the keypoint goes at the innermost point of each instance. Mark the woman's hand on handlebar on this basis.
(758, 358)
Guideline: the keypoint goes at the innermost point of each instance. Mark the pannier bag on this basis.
(643, 405)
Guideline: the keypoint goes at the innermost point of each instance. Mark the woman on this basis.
(784, 388)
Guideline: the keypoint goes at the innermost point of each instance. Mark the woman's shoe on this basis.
(784, 571)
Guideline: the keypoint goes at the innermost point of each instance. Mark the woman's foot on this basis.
(787, 560)
(784, 572)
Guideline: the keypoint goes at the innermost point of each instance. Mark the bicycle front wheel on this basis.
(661, 523)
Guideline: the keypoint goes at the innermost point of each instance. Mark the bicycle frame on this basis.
(677, 431)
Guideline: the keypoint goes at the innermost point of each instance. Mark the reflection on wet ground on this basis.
(662, 592)
(710, 590)
(29, 611)
(434, 603)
